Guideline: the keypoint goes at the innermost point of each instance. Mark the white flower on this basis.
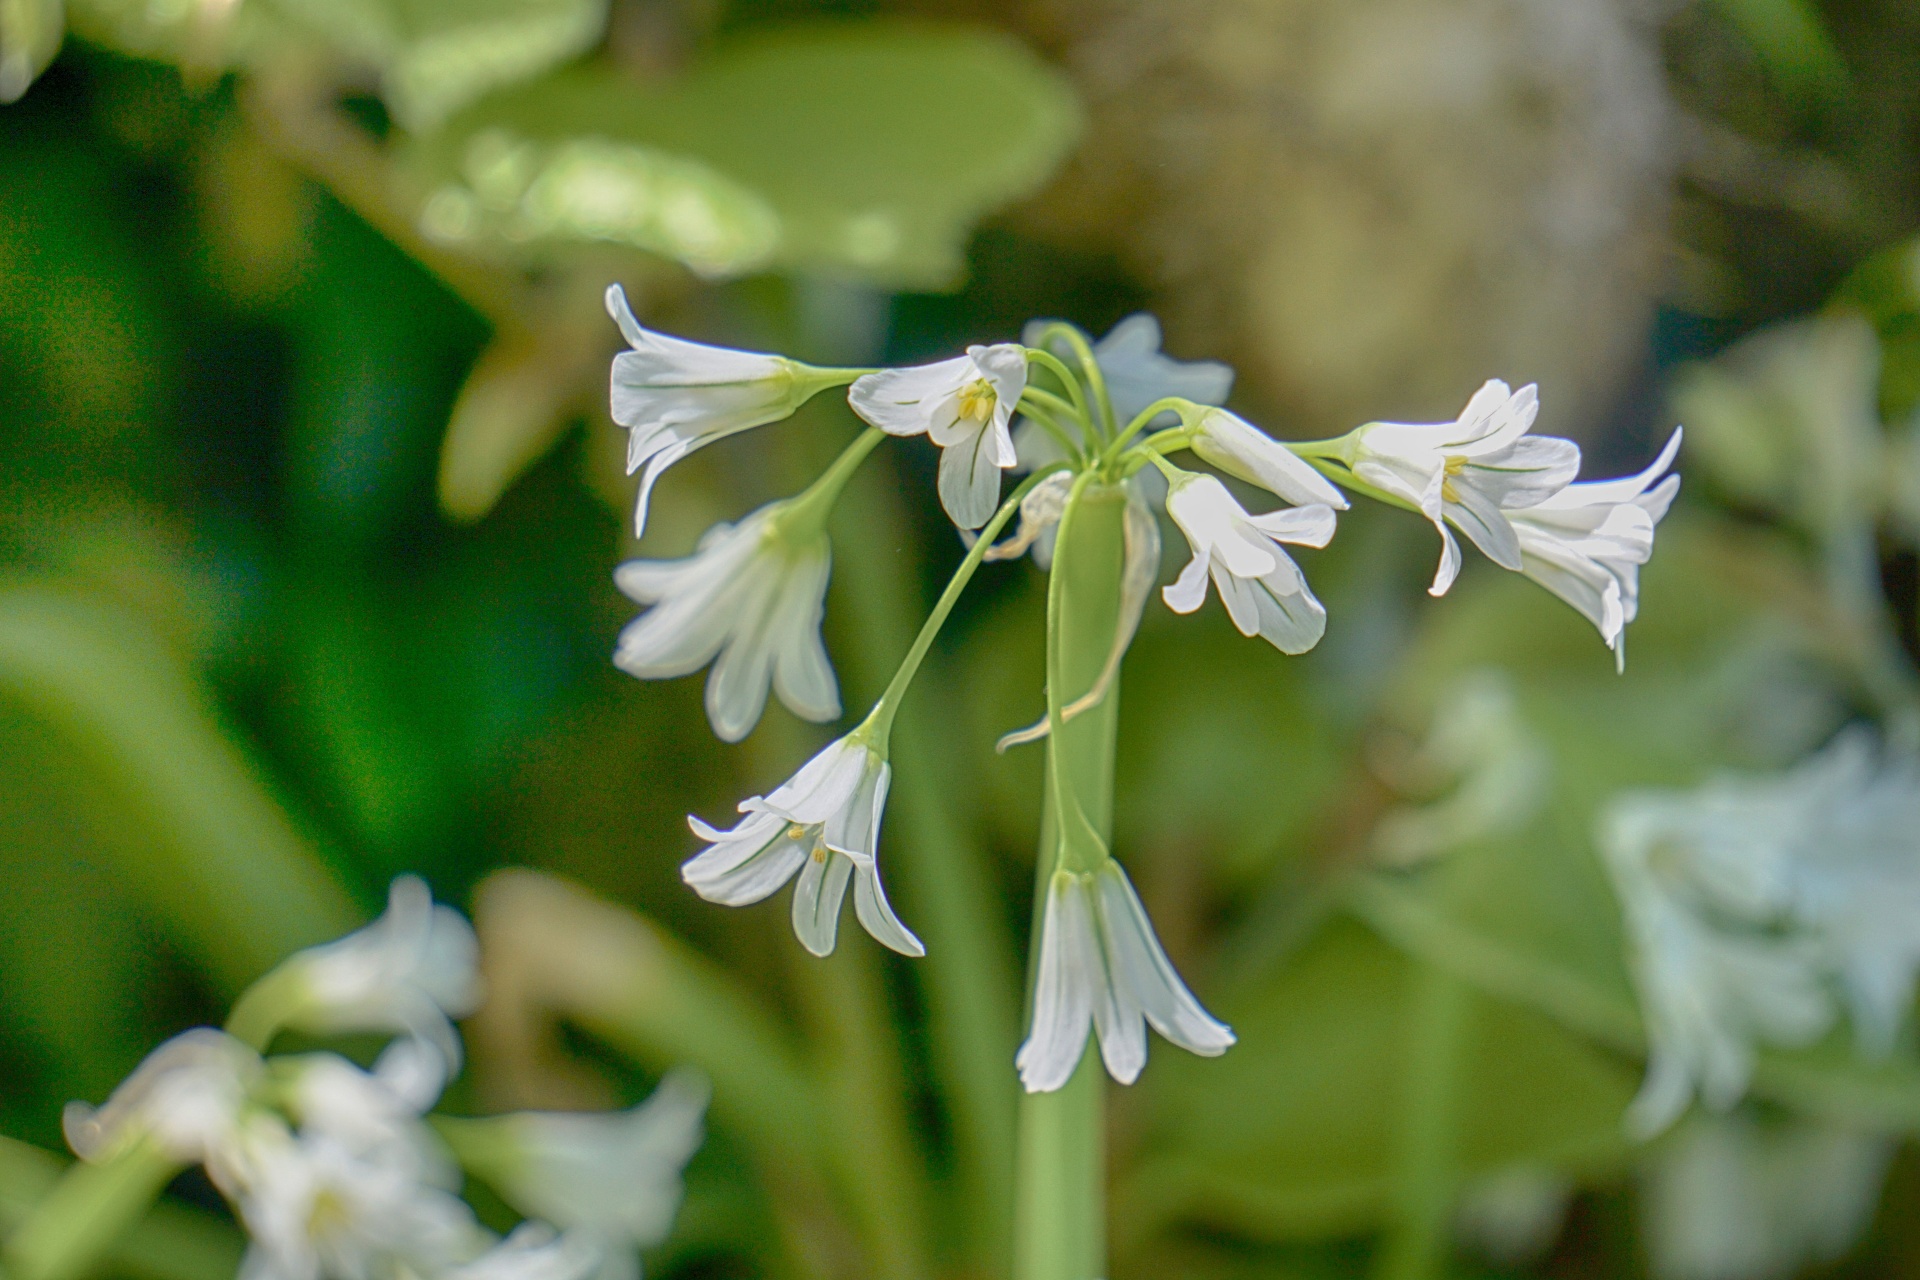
(1263, 589)
(535, 1251)
(824, 823)
(187, 1095)
(373, 1115)
(963, 405)
(749, 600)
(1102, 968)
(1587, 542)
(615, 1179)
(1242, 450)
(1469, 472)
(675, 396)
(408, 972)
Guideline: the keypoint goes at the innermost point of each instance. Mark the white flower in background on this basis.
(409, 972)
(1102, 968)
(614, 1179)
(749, 600)
(963, 405)
(373, 1115)
(1587, 542)
(1756, 906)
(1737, 1198)
(1242, 450)
(1513, 1216)
(1470, 472)
(1137, 373)
(824, 823)
(1263, 589)
(535, 1251)
(187, 1095)
(675, 396)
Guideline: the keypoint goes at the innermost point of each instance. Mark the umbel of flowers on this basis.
(1101, 440)
(337, 1171)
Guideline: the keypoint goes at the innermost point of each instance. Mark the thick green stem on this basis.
(1426, 1166)
(86, 1213)
(1060, 1203)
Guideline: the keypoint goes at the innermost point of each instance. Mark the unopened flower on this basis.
(1469, 473)
(1102, 969)
(187, 1096)
(615, 1179)
(675, 396)
(409, 972)
(749, 600)
(1587, 542)
(1263, 589)
(823, 823)
(963, 405)
(1242, 450)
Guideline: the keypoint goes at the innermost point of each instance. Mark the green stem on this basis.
(1426, 1165)
(87, 1212)
(806, 514)
(1185, 408)
(1104, 424)
(1057, 367)
(879, 723)
(1038, 412)
(1060, 1203)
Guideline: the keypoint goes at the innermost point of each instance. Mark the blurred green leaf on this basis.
(866, 151)
(1793, 44)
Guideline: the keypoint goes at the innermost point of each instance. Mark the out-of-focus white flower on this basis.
(409, 972)
(749, 600)
(187, 1096)
(1102, 968)
(1469, 472)
(1587, 542)
(1733, 1198)
(1751, 902)
(1263, 589)
(1514, 1215)
(1242, 450)
(963, 405)
(373, 1115)
(1137, 372)
(675, 396)
(1484, 768)
(824, 823)
(535, 1251)
(615, 1179)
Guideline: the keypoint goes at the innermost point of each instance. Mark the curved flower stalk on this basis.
(1103, 969)
(1587, 542)
(1470, 472)
(824, 824)
(1263, 589)
(963, 405)
(675, 396)
(749, 601)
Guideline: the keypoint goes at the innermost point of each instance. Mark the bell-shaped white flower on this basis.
(409, 972)
(1242, 450)
(1103, 969)
(963, 405)
(1263, 589)
(749, 600)
(1469, 473)
(615, 1179)
(823, 823)
(187, 1095)
(1587, 542)
(675, 396)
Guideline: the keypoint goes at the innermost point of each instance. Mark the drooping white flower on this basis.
(823, 823)
(675, 396)
(615, 1179)
(1102, 969)
(409, 972)
(1242, 450)
(1469, 473)
(963, 405)
(187, 1095)
(1263, 589)
(749, 600)
(1587, 542)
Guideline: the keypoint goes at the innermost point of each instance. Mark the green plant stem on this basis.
(1060, 1203)
(1426, 1165)
(805, 515)
(86, 1213)
(1103, 420)
(1057, 367)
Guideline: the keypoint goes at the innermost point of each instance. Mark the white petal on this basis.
(1241, 449)
(876, 914)
(1475, 515)
(817, 896)
(821, 788)
(970, 481)
(746, 864)
(1064, 989)
(1303, 526)
(1189, 591)
(1137, 963)
(1449, 562)
(802, 675)
(900, 401)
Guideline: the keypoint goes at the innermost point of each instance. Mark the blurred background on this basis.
(309, 504)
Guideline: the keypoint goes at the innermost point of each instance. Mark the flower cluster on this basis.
(336, 1171)
(1085, 420)
(1759, 908)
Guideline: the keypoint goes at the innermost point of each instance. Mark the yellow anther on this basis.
(796, 832)
(977, 400)
(819, 852)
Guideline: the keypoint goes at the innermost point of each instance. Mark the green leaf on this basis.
(867, 151)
